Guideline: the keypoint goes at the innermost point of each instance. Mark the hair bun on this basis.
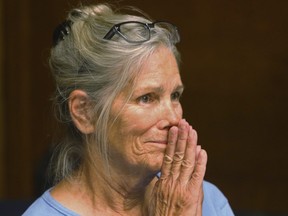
(96, 10)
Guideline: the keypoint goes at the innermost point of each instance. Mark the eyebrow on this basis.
(159, 89)
(179, 88)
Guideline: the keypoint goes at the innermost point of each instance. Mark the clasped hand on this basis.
(179, 189)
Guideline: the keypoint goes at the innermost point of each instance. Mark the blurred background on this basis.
(235, 69)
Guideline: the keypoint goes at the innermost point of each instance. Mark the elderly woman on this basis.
(128, 150)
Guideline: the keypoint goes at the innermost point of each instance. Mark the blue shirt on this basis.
(214, 204)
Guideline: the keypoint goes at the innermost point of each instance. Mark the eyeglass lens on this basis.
(135, 32)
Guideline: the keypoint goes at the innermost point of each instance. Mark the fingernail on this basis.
(183, 121)
(183, 124)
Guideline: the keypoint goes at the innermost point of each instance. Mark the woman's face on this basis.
(138, 138)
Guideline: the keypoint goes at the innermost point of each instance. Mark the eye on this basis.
(146, 99)
(175, 96)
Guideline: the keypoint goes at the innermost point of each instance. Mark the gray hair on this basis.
(102, 68)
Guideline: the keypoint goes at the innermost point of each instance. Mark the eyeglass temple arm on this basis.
(111, 33)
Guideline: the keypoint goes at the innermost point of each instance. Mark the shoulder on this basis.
(215, 203)
(46, 205)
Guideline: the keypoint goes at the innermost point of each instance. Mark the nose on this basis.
(170, 115)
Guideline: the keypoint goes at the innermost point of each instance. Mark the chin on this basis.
(155, 162)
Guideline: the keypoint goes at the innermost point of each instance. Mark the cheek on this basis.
(179, 110)
(128, 128)
(139, 120)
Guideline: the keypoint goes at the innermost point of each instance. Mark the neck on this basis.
(115, 189)
(113, 193)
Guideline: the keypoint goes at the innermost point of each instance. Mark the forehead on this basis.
(161, 67)
(159, 73)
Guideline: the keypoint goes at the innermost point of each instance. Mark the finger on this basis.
(199, 171)
(200, 202)
(168, 156)
(198, 149)
(180, 147)
(188, 164)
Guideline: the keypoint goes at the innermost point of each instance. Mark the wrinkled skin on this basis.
(179, 189)
(149, 135)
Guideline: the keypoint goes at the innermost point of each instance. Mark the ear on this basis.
(80, 111)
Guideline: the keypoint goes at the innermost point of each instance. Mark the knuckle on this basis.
(168, 159)
(187, 164)
(178, 156)
(197, 176)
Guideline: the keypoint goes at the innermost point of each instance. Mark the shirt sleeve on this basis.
(46, 205)
(215, 203)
